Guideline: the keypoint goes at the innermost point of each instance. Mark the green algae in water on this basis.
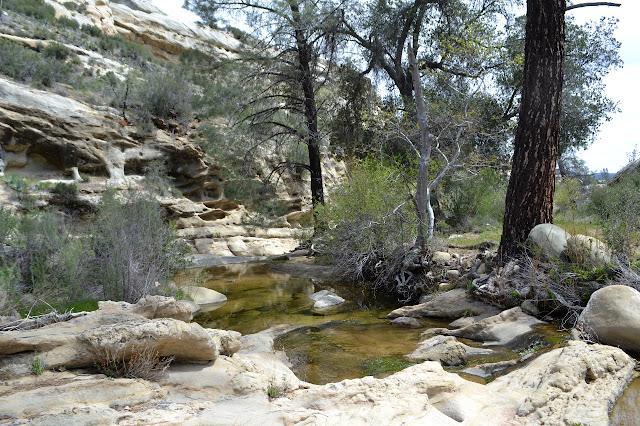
(387, 364)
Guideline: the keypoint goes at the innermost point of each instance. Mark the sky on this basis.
(617, 138)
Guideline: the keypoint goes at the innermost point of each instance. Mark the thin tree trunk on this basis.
(423, 196)
(529, 198)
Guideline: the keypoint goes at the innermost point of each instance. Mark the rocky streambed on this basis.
(232, 377)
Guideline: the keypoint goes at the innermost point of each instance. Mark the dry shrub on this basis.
(144, 362)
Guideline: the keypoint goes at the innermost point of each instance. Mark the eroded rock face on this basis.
(612, 316)
(53, 135)
(577, 384)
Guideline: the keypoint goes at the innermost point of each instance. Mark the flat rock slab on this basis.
(114, 328)
(490, 369)
(500, 330)
(451, 304)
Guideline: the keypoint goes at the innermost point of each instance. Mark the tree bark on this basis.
(529, 199)
(310, 107)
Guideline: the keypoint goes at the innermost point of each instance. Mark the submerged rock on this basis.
(325, 299)
(406, 322)
(612, 316)
(446, 350)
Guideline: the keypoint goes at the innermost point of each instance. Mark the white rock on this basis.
(499, 329)
(446, 350)
(325, 299)
(588, 251)
(550, 239)
(204, 297)
(441, 257)
(612, 316)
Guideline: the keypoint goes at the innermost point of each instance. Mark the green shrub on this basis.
(37, 9)
(134, 248)
(70, 5)
(616, 208)
(164, 94)
(63, 21)
(56, 51)
(8, 225)
(17, 183)
(9, 289)
(369, 225)
(55, 264)
(123, 48)
(91, 30)
(37, 366)
(25, 65)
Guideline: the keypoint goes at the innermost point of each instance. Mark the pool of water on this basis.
(352, 340)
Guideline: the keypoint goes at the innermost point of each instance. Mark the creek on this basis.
(352, 340)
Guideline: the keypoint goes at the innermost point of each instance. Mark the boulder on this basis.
(550, 239)
(324, 299)
(502, 329)
(441, 257)
(451, 304)
(612, 316)
(588, 251)
(204, 297)
(445, 350)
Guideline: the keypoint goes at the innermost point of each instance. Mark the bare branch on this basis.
(594, 3)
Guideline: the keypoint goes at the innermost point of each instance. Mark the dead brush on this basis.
(144, 362)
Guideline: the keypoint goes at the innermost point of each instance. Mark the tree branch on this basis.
(594, 3)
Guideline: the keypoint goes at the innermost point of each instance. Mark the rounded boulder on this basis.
(612, 316)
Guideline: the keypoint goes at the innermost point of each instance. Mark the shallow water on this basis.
(353, 340)
(626, 412)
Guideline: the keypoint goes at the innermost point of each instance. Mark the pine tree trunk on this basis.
(529, 198)
(310, 107)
